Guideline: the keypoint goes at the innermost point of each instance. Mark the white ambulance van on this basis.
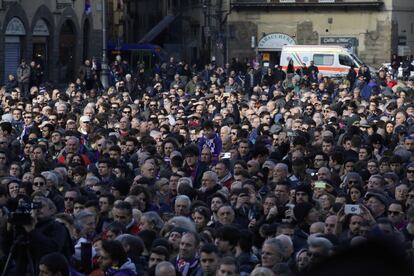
(332, 61)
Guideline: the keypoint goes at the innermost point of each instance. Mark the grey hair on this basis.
(90, 106)
(74, 138)
(283, 166)
(154, 133)
(84, 214)
(64, 105)
(287, 244)
(278, 245)
(50, 204)
(183, 222)
(316, 241)
(93, 178)
(78, 222)
(62, 171)
(164, 268)
(285, 238)
(154, 218)
(52, 176)
(380, 177)
(212, 175)
(261, 271)
(350, 175)
(227, 128)
(185, 181)
(183, 198)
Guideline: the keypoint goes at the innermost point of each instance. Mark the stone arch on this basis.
(69, 45)
(15, 10)
(44, 45)
(87, 36)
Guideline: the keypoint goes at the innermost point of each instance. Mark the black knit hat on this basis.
(122, 185)
(304, 188)
(301, 211)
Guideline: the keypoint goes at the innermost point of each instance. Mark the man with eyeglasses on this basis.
(396, 213)
(27, 124)
(321, 160)
(126, 112)
(409, 174)
(39, 185)
(70, 197)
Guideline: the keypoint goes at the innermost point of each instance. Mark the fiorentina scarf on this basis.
(184, 266)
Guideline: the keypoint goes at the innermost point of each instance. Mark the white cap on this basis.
(85, 118)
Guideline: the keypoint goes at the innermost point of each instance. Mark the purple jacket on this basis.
(215, 146)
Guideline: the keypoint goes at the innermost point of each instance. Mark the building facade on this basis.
(372, 29)
(58, 34)
(191, 30)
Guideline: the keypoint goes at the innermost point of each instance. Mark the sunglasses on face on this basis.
(38, 184)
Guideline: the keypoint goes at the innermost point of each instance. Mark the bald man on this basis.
(165, 269)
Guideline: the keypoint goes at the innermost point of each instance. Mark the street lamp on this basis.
(105, 67)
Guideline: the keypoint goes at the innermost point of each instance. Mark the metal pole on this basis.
(105, 67)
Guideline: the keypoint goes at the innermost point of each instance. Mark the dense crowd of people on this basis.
(182, 170)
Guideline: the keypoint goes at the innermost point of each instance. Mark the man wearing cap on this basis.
(85, 126)
(377, 203)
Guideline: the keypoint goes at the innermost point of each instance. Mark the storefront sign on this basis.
(343, 41)
(15, 27)
(41, 29)
(63, 4)
(351, 43)
(275, 41)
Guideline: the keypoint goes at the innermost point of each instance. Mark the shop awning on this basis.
(154, 32)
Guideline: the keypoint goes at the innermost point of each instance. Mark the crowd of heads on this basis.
(231, 170)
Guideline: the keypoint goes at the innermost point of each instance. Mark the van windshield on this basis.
(346, 60)
(357, 60)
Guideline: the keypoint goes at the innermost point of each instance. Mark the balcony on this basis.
(307, 4)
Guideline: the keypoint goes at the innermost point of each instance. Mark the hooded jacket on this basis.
(127, 269)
